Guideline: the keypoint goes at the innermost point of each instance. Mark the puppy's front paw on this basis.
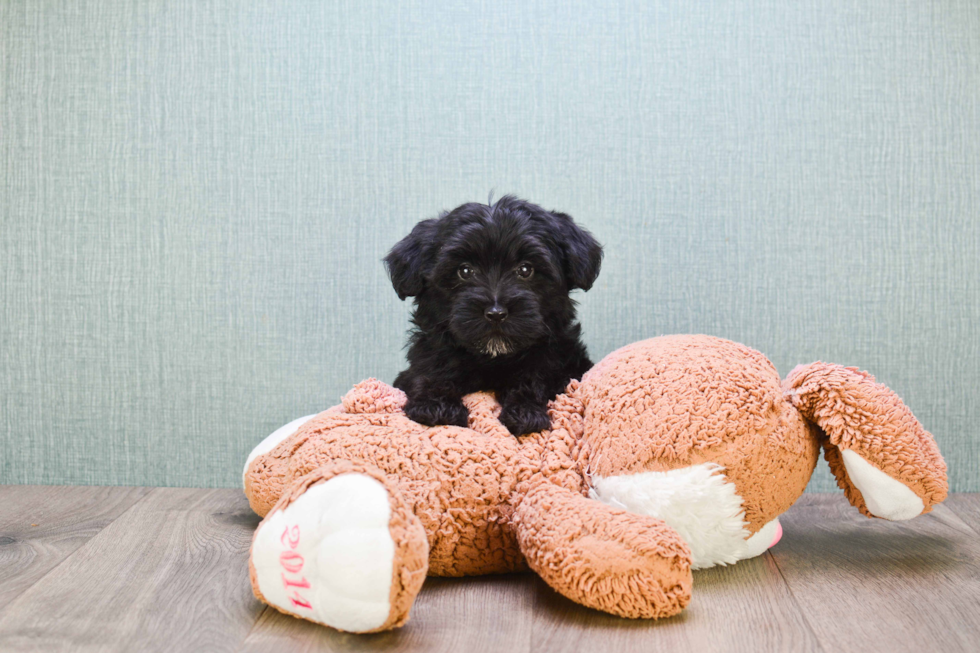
(436, 411)
(521, 419)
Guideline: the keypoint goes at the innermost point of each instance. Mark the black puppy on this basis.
(492, 310)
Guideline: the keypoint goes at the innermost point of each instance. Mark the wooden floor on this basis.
(141, 569)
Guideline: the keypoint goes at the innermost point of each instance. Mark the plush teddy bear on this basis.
(671, 454)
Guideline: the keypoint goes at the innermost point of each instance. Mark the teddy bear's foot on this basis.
(887, 464)
(341, 548)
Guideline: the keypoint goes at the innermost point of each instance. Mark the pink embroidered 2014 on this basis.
(292, 563)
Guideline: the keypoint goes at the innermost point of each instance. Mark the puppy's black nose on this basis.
(496, 314)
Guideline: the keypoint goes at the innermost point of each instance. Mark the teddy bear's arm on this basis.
(887, 464)
(603, 557)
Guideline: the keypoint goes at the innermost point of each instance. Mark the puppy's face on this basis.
(496, 278)
(498, 283)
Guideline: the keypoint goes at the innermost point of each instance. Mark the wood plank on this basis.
(868, 584)
(41, 525)
(744, 607)
(966, 507)
(168, 575)
(484, 613)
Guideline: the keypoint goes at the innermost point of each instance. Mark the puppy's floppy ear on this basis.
(408, 260)
(582, 253)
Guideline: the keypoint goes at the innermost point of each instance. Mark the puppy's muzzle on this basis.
(495, 314)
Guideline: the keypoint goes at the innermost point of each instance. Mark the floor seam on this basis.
(796, 602)
(258, 618)
(73, 553)
(950, 507)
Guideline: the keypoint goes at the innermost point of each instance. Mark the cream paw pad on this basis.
(345, 553)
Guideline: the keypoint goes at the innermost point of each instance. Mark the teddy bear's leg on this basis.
(271, 441)
(886, 463)
(603, 557)
(341, 548)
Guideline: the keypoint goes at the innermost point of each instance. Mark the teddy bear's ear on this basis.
(582, 253)
(409, 260)
(373, 396)
(888, 465)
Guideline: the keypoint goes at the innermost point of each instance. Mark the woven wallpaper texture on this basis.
(195, 197)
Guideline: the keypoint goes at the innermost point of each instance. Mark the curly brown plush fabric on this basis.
(854, 412)
(488, 502)
(603, 557)
(457, 480)
(687, 400)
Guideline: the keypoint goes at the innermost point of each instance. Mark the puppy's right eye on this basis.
(465, 271)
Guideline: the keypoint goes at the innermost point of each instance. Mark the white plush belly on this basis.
(699, 503)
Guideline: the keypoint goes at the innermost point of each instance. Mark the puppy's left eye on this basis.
(465, 271)
(524, 270)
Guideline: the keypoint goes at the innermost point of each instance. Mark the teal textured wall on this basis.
(196, 195)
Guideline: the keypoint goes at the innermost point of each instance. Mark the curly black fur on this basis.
(492, 310)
